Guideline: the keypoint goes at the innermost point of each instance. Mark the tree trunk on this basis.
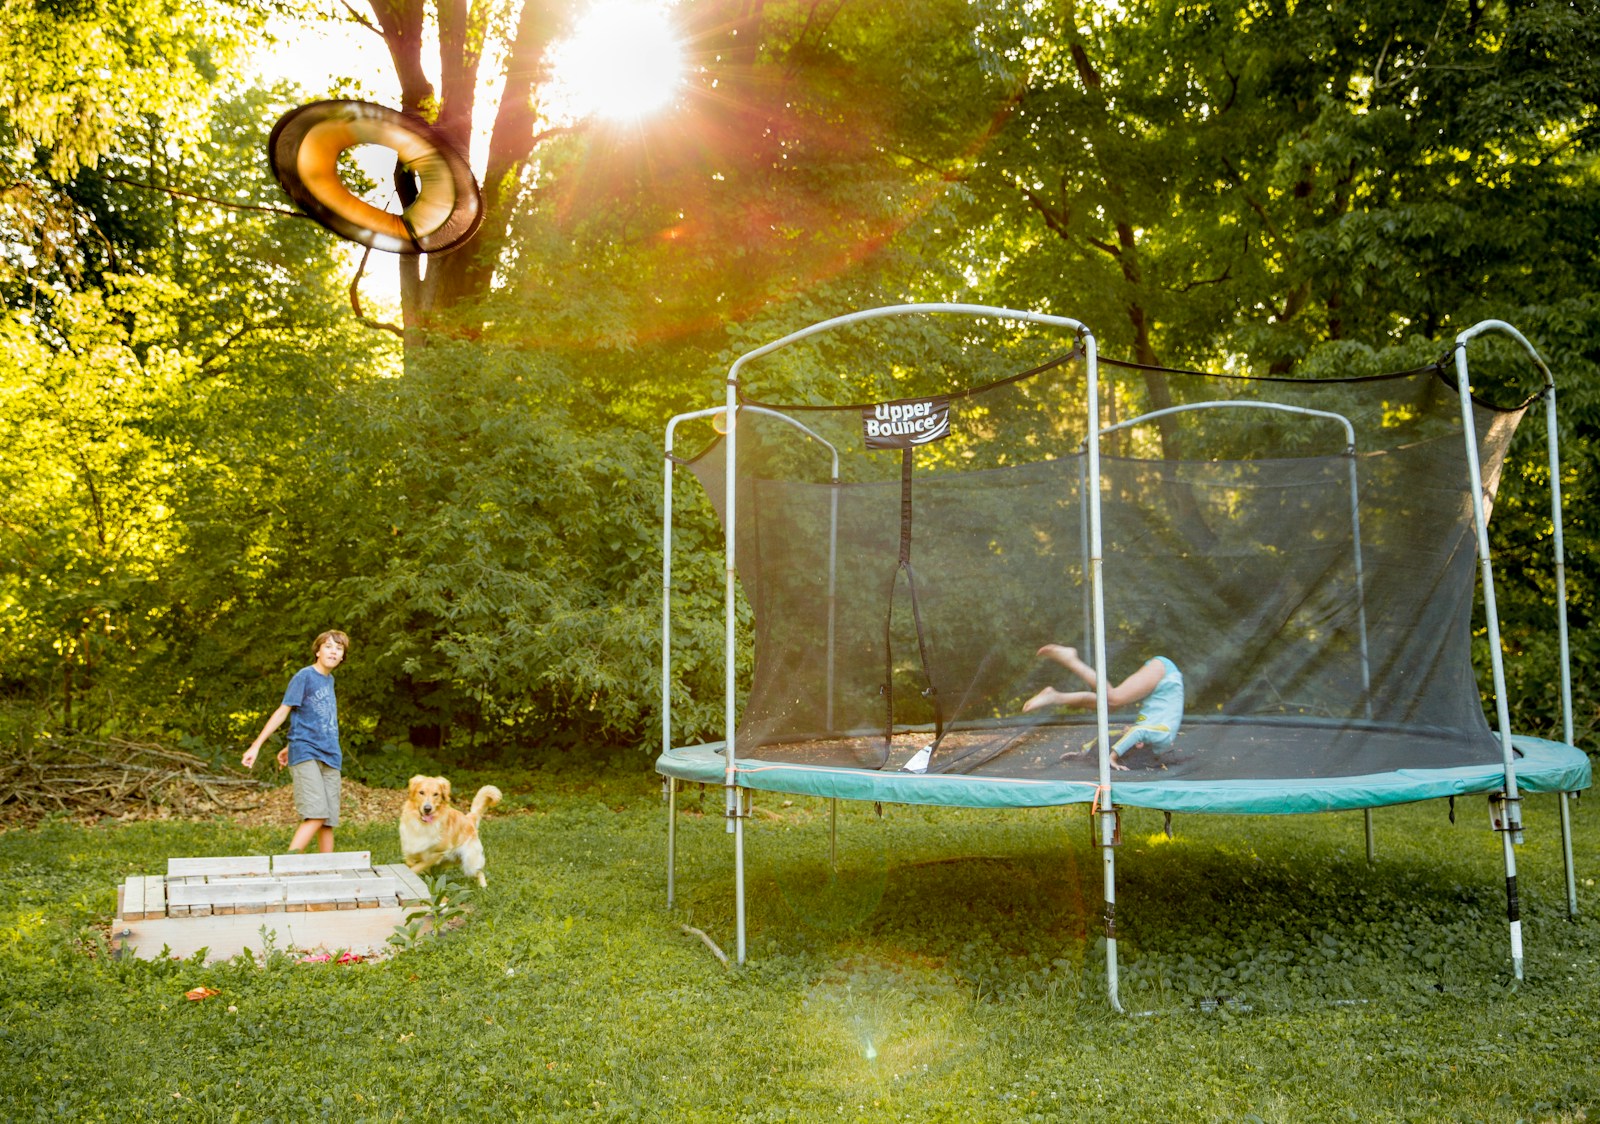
(442, 284)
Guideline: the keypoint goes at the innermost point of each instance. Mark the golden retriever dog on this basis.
(432, 832)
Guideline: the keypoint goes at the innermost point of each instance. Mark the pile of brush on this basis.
(91, 779)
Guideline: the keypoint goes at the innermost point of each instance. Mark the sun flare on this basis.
(622, 62)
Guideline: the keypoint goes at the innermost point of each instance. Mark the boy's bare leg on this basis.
(305, 831)
(325, 839)
(1068, 658)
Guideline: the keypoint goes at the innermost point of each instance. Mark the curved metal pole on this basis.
(833, 533)
(1102, 709)
(666, 644)
(1238, 403)
(902, 310)
(1511, 829)
(1553, 447)
(734, 805)
(1355, 532)
(1552, 443)
(1355, 501)
(666, 619)
(729, 774)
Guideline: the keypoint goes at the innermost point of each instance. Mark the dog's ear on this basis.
(416, 783)
(444, 790)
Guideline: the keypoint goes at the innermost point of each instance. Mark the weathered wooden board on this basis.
(237, 865)
(132, 906)
(155, 895)
(363, 931)
(412, 888)
(245, 891)
(320, 863)
(357, 890)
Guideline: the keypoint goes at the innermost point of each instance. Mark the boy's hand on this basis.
(283, 758)
(249, 758)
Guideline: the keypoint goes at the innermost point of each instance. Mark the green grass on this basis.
(952, 971)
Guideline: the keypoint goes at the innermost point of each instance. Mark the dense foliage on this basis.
(209, 457)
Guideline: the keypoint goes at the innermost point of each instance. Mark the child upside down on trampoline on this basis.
(1159, 681)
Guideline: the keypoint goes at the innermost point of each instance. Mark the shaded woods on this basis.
(208, 457)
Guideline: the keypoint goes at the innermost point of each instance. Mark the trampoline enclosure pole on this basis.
(1108, 816)
(666, 660)
(732, 803)
(666, 643)
(1083, 536)
(1553, 444)
(1511, 828)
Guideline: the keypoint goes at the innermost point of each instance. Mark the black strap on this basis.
(903, 565)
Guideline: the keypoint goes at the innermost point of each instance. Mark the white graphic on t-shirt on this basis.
(321, 709)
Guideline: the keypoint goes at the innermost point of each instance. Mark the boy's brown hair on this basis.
(331, 634)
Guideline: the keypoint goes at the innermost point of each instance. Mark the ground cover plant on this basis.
(950, 970)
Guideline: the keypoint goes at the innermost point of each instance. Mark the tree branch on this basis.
(175, 193)
(1261, 212)
(360, 19)
(22, 537)
(1226, 275)
(355, 300)
(1057, 222)
(1114, 251)
(205, 363)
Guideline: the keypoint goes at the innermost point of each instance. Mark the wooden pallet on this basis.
(338, 900)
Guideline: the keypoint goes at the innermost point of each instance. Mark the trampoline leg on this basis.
(1372, 850)
(1513, 906)
(833, 834)
(738, 886)
(1566, 855)
(672, 837)
(1108, 826)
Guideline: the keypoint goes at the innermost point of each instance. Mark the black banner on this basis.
(905, 424)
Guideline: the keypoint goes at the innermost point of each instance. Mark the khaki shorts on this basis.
(316, 791)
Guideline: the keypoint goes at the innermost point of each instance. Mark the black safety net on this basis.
(1303, 551)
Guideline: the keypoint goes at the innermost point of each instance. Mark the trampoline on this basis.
(1307, 552)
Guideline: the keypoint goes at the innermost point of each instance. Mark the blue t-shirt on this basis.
(314, 719)
(1161, 713)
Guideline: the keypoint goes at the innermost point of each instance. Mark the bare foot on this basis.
(1048, 696)
(1062, 654)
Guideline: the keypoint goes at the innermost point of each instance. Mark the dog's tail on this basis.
(488, 796)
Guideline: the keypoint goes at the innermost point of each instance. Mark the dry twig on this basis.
(711, 944)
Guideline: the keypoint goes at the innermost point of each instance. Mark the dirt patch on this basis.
(358, 804)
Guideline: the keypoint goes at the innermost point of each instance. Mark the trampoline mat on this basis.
(1221, 767)
(1204, 751)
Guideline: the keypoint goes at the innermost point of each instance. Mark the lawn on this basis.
(951, 971)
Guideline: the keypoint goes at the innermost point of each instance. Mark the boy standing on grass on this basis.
(312, 754)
